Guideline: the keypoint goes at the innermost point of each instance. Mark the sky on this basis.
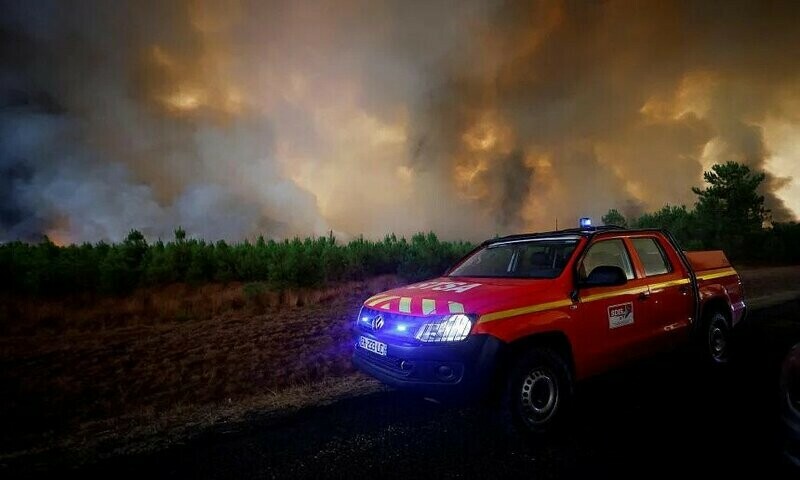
(235, 119)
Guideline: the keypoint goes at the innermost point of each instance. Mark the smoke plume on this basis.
(236, 118)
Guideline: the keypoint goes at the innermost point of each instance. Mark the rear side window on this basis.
(652, 256)
(606, 253)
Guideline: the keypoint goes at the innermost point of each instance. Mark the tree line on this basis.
(116, 268)
(729, 214)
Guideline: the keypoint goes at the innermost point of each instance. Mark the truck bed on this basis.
(708, 260)
(716, 278)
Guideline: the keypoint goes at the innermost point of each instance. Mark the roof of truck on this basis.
(585, 232)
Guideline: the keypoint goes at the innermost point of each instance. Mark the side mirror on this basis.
(605, 276)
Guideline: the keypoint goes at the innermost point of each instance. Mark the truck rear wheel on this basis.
(539, 391)
(790, 406)
(714, 339)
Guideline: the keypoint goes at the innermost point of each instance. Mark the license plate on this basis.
(371, 345)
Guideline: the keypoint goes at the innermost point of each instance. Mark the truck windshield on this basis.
(530, 258)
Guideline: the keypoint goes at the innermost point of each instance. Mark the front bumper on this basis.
(461, 368)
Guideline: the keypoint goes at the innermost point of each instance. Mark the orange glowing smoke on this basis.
(236, 119)
(528, 137)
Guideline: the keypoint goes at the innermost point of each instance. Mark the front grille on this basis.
(397, 327)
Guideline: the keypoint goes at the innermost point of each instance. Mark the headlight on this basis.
(360, 317)
(452, 328)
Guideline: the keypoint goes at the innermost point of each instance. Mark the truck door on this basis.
(670, 303)
(611, 317)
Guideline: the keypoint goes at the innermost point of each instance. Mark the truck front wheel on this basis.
(539, 390)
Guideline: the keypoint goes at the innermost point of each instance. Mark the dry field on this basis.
(96, 377)
(84, 374)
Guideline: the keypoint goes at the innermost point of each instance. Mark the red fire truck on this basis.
(534, 313)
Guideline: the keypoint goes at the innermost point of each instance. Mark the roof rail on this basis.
(607, 227)
(567, 231)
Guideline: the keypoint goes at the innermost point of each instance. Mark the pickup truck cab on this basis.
(534, 313)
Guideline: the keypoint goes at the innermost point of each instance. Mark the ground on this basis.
(188, 397)
(664, 415)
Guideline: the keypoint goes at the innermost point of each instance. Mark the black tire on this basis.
(539, 391)
(714, 339)
(790, 406)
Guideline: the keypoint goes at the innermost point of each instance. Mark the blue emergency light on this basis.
(586, 222)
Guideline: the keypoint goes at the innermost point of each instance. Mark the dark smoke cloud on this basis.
(14, 177)
(512, 183)
(81, 116)
(235, 119)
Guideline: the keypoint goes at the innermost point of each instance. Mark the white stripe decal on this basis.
(455, 307)
(428, 306)
(382, 299)
(405, 305)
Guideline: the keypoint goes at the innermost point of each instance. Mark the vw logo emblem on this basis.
(377, 323)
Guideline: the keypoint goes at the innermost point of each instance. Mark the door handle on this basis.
(644, 295)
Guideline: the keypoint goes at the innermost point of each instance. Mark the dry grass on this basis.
(162, 305)
(76, 372)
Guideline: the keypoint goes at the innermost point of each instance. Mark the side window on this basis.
(652, 256)
(607, 253)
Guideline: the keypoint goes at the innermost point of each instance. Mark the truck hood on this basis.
(445, 295)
